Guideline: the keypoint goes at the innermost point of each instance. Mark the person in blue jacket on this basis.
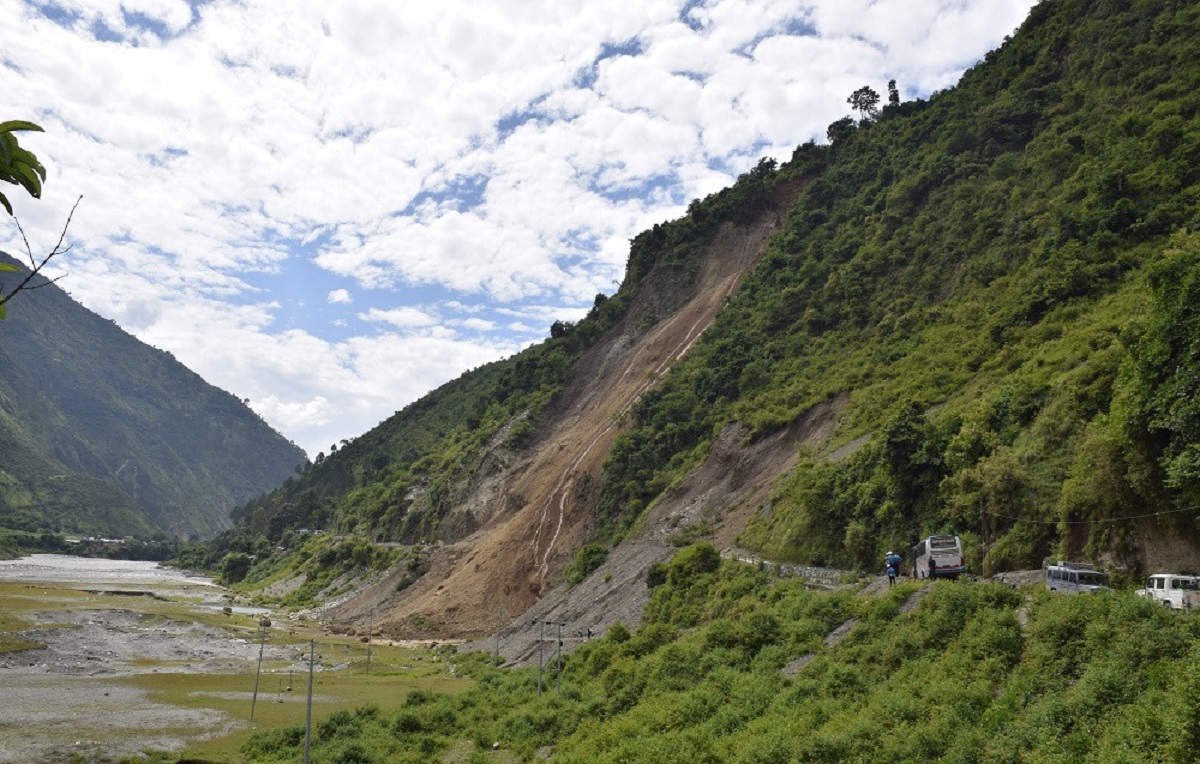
(892, 561)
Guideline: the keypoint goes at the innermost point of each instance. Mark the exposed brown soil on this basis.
(538, 513)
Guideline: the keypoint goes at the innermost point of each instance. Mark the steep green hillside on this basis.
(1001, 279)
(733, 666)
(104, 435)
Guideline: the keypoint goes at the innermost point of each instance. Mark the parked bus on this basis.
(946, 552)
(1075, 577)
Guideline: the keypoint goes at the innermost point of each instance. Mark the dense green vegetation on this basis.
(955, 672)
(103, 435)
(159, 546)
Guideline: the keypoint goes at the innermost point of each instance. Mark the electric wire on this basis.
(1096, 521)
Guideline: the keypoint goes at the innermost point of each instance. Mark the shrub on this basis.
(589, 558)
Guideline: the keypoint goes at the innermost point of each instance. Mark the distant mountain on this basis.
(102, 434)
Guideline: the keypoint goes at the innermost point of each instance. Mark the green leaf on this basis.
(8, 267)
(28, 178)
(7, 144)
(4, 202)
(22, 157)
(18, 124)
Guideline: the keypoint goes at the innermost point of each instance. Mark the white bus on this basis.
(1075, 577)
(946, 554)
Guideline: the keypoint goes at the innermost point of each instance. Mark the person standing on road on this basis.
(891, 574)
(932, 568)
(892, 560)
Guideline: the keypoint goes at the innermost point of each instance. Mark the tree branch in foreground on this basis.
(35, 267)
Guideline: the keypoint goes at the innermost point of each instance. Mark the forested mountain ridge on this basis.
(102, 434)
(975, 313)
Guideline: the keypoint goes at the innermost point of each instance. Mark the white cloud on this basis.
(478, 324)
(404, 318)
(467, 159)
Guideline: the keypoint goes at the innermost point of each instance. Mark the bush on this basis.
(589, 558)
(234, 567)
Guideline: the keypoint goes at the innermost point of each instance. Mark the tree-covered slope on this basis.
(1003, 279)
(104, 435)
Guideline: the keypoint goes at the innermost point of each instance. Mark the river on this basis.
(91, 571)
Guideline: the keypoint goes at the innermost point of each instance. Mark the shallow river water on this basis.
(89, 571)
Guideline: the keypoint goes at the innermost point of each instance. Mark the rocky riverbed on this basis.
(97, 622)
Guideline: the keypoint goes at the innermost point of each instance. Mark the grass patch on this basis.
(396, 672)
(9, 644)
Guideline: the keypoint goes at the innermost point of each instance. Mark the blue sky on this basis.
(331, 209)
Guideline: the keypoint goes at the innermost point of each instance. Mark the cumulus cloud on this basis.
(473, 172)
(407, 318)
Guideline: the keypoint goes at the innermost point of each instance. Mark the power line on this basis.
(1093, 522)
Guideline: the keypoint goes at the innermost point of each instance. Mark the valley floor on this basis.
(98, 664)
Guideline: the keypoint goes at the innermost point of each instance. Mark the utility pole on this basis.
(541, 646)
(370, 633)
(558, 663)
(312, 651)
(499, 622)
(258, 673)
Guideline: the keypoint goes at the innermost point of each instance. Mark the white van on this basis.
(1174, 591)
(1075, 577)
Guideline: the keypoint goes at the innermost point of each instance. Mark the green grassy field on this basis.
(17, 602)
(395, 672)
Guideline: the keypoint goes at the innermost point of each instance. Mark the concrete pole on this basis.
(496, 652)
(370, 633)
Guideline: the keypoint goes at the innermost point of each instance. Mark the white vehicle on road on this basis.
(946, 553)
(1174, 591)
(1075, 577)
